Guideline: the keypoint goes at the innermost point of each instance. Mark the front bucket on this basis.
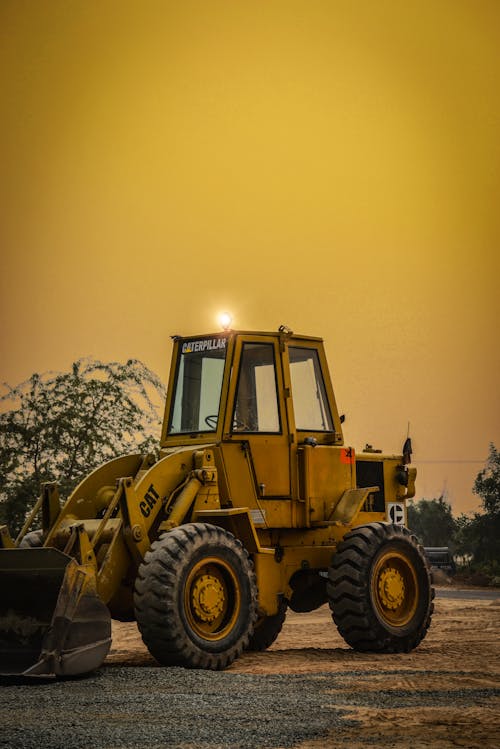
(52, 622)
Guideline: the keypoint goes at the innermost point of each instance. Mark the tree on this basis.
(432, 521)
(475, 537)
(487, 483)
(60, 426)
(486, 526)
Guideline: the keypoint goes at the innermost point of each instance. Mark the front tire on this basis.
(380, 589)
(196, 597)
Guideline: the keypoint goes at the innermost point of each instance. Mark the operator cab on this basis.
(264, 393)
(240, 383)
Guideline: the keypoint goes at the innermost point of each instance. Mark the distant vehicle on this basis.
(440, 557)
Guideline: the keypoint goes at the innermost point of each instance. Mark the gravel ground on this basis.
(308, 691)
(172, 707)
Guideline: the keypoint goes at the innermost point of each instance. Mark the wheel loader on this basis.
(253, 505)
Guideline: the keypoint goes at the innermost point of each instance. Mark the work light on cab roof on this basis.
(225, 320)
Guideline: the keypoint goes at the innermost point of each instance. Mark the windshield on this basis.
(200, 369)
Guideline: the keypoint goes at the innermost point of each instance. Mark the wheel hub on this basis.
(391, 588)
(207, 598)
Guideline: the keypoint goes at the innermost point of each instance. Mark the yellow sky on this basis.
(329, 165)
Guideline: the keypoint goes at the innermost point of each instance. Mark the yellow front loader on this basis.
(254, 505)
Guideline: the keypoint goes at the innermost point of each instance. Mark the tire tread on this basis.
(349, 585)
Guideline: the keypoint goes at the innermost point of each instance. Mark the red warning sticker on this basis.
(347, 455)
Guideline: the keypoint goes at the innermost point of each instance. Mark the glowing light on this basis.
(225, 320)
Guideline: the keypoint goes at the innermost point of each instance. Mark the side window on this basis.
(310, 403)
(256, 405)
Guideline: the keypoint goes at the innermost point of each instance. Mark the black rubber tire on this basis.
(380, 589)
(268, 628)
(32, 540)
(196, 597)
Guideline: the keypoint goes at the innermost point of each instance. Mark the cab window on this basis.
(310, 403)
(199, 375)
(256, 405)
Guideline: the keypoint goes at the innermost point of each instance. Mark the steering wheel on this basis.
(238, 425)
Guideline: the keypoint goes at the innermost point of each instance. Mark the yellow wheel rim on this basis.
(212, 598)
(394, 588)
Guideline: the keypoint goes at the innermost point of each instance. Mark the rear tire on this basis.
(380, 589)
(268, 628)
(196, 597)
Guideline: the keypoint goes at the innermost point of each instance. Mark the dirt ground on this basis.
(445, 694)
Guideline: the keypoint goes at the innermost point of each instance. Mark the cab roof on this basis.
(288, 334)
